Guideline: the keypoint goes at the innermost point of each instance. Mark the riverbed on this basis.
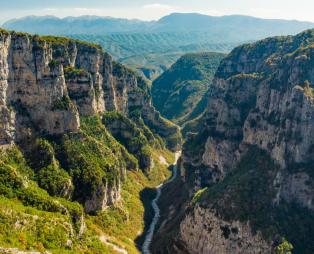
(154, 203)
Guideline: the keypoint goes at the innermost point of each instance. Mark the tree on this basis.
(284, 247)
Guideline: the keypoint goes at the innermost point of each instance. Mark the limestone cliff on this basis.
(254, 153)
(49, 86)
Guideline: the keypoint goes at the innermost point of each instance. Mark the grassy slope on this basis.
(31, 219)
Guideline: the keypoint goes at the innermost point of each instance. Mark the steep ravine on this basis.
(154, 203)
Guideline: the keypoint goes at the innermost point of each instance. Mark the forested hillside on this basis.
(180, 93)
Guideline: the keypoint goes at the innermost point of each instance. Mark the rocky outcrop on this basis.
(32, 89)
(103, 197)
(203, 232)
(50, 79)
(262, 96)
(49, 84)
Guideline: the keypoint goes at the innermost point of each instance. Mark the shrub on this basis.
(54, 63)
(72, 73)
(55, 180)
(62, 104)
(284, 247)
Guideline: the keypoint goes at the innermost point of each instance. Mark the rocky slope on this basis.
(250, 167)
(57, 144)
(179, 93)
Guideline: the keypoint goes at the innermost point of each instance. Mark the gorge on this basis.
(85, 153)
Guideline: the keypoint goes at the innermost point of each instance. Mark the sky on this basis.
(154, 9)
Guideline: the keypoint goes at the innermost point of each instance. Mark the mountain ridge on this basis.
(152, 46)
(171, 22)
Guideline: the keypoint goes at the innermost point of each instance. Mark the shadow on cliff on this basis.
(146, 195)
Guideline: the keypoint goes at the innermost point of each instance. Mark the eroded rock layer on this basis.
(58, 89)
(254, 154)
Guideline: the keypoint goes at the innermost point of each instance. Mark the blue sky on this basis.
(154, 9)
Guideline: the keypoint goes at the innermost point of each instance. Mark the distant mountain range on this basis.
(221, 29)
(151, 47)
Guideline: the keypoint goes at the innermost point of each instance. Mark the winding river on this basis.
(150, 231)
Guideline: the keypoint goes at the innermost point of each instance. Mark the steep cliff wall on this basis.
(50, 86)
(254, 153)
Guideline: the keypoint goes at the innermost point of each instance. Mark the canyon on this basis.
(84, 152)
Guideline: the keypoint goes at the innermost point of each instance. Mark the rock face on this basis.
(199, 235)
(49, 84)
(261, 100)
(103, 196)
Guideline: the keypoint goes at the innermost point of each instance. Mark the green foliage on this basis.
(72, 73)
(124, 222)
(130, 136)
(3, 31)
(28, 228)
(284, 247)
(10, 180)
(184, 86)
(17, 181)
(198, 195)
(55, 180)
(89, 44)
(89, 163)
(120, 70)
(54, 63)
(62, 104)
(195, 144)
(49, 175)
(56, 39)
(42, 155)
(92, 157)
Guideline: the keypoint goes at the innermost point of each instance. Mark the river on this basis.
(150, 231)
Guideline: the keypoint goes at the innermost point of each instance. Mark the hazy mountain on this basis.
(74, 25)
(225, 28)
(153, 53)
(156, 45)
